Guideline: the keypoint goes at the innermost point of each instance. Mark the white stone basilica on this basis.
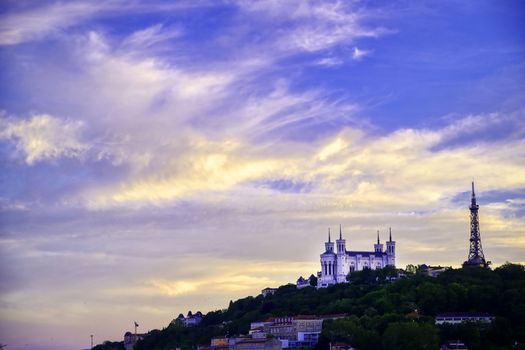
(335, 266)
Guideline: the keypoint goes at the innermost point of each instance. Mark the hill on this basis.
(381, 314)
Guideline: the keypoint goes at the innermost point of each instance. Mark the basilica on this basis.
(335, 266)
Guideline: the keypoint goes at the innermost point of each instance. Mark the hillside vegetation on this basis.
(380, 314)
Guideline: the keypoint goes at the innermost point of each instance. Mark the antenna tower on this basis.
(475, 255)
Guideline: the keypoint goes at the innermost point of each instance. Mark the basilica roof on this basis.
(328, 253)
(355, 253)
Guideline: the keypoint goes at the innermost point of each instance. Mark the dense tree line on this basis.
(400, 315)
(381, 314)
(110, 345)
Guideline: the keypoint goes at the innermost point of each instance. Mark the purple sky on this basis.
(159, 157)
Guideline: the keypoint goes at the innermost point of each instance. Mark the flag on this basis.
(136, 324)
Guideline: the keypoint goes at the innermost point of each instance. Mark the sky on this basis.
(164, 156)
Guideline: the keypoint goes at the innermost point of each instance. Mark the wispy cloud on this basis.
(20, 24)
(150, 36)
(329, 61)
(33, 24)
(314, 26)
(358, 54)
(44, 137)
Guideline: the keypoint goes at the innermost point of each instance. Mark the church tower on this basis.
(475, 255)
(391, 250)
(329, 246)
(378, 247)
(328, 273)
(342, 264)
(341, 243)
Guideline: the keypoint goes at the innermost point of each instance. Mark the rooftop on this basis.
(464, 314)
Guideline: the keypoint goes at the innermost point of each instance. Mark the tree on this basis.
(432, 298)
(410, 269)
(365, 276)
(109, 345)
(511, 272)
(411, 336)
(313, 281)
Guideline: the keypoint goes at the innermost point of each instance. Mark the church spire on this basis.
(340, 232)
(329, 246)
(378, 247)
(390, 230)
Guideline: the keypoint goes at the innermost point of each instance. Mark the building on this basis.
(242, 343)
(257, 329)
(459, 317)
(268, 291)
(219, 343)
(281, 328)
(308, 329)
(303, 282)
(191, 319)
(301, 331)
(433, 271)
(130, 339)
(341, 346)
(256, 344)
(454, 345)
(335, 266)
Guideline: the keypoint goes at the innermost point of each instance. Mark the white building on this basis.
(131, 339)
(459, 317)
(191, 319)
(433, 271)
(303, 282)
(335, 266)
(454, 345)
(255, 344)
(301, 331)
(268, 291)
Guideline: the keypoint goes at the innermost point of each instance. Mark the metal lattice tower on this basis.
(475, 255)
